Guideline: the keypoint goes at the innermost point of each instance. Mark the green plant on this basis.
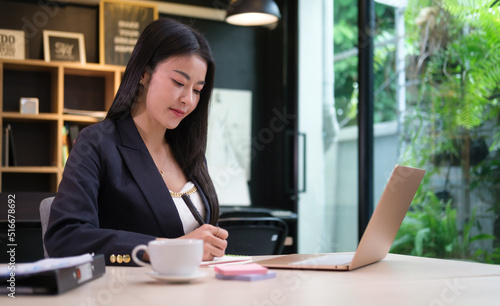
(456, 70)
(489, 257)
(486, 180)
(430, 230)
(453, 108)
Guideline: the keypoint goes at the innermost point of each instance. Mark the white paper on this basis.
(227, 259)
(45, 265)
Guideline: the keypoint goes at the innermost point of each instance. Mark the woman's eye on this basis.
(196, 91)
(178, 83)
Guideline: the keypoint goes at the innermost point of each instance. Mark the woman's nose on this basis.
(188, 97)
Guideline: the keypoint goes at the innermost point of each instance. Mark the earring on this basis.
(141, 82)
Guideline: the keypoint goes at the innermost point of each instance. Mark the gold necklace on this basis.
(180, 194)
(162, 167)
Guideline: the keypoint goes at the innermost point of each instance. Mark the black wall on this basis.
(250, 58)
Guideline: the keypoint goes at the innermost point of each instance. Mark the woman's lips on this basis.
(178, 112)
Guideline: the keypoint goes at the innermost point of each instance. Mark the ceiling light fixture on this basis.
(252, 12)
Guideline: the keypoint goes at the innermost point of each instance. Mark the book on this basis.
(51, 275)
(81, 112)
(73, 133)
(9, 152)
(65, 145)
(5, 151)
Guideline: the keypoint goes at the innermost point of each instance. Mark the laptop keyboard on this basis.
(326, 260)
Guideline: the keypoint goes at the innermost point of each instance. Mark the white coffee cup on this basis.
(175, 257)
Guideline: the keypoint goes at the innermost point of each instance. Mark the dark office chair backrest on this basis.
(247, 213)
(255, 236)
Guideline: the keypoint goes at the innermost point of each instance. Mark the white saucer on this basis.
(177, 278)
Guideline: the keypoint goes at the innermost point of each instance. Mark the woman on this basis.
(131, 178)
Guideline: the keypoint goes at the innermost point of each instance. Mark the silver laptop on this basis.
(378, 236)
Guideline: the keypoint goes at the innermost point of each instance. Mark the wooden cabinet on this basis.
(38, 138)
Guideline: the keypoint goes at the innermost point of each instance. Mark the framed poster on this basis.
(229, 148)
(12, 44)
(121, 23)
(63, 46)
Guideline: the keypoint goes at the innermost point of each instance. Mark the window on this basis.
(436, 77)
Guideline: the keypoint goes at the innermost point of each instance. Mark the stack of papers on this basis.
(245, 272)
(47, 264)
(95, 114)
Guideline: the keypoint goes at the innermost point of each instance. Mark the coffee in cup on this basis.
(173, 257)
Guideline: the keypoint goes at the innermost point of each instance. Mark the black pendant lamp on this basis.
(252, 12)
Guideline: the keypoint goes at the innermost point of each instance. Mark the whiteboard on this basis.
(229, 148)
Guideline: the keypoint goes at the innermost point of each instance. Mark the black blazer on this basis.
(112, 196)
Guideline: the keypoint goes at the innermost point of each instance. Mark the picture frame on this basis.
(64, 46)
(12, 44)
(120, 24)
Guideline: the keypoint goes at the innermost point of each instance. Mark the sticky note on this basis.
(252, 268)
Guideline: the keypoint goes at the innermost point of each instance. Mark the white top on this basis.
(189, 223)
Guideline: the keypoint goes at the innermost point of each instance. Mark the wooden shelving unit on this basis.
(38, 139)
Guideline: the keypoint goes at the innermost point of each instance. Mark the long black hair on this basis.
(160, 40)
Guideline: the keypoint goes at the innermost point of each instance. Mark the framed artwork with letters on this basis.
(64, 46)
(12, 44)
(120, 24)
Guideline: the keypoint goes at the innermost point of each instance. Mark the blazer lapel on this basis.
(137, 158)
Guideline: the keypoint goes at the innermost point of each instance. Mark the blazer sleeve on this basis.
(74, 227)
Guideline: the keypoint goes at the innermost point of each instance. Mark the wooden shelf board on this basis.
(28, 65)
(19, 116)
(79, 118)
(29, 169)
(92, 69)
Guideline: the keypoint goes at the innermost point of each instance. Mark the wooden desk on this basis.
(397, 280)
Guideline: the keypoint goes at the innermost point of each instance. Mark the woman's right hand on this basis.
(214, 240)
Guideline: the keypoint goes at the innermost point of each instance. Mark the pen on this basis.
(193, 209)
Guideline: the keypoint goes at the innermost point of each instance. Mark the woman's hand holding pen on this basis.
(214, 239)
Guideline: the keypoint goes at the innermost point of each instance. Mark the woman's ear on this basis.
(143, 86)
(145, 77)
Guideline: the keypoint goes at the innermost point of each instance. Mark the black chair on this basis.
(28, 226)
(255, 236)
(26, 241)
(246, 213)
